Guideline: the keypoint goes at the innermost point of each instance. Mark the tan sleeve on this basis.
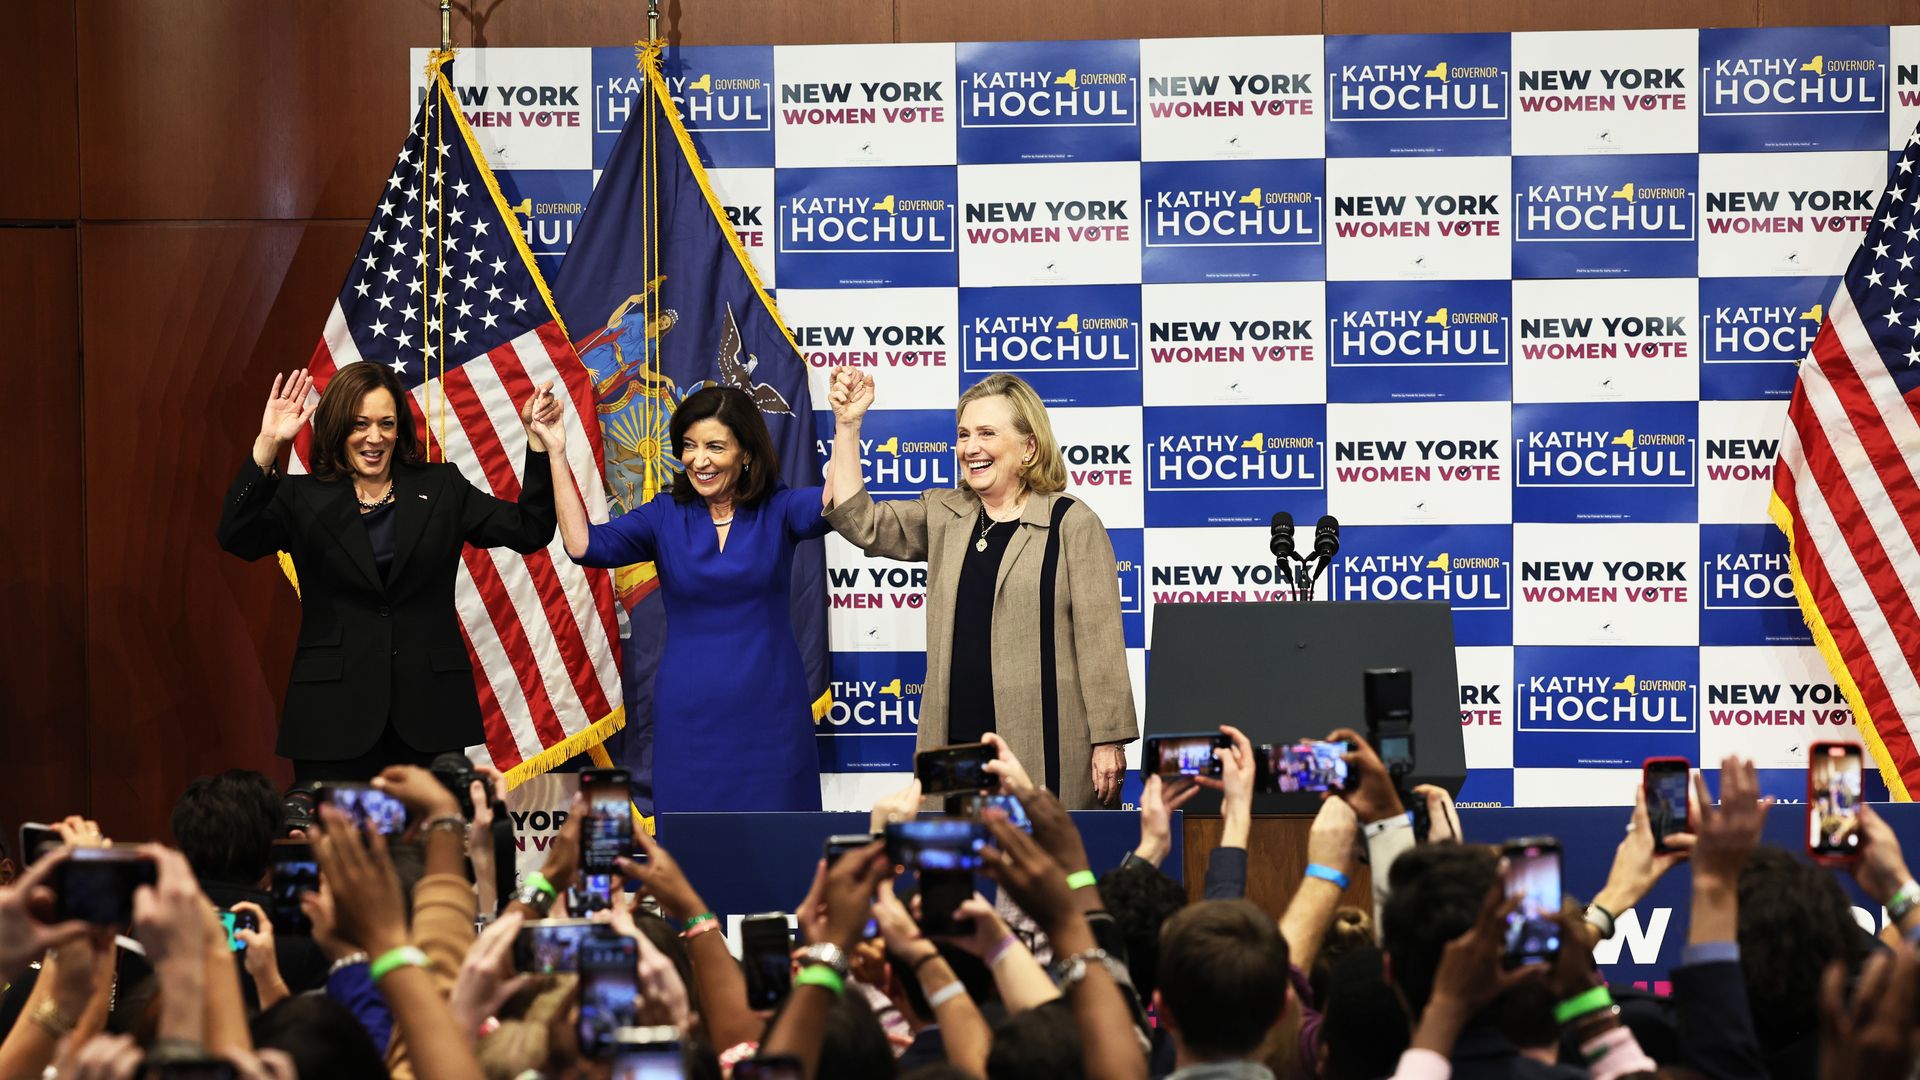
(895, 529)
(1099, 640)
(443, 910)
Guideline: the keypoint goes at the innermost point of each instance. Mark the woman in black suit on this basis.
(381, 673)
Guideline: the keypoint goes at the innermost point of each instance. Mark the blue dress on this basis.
(733, 721)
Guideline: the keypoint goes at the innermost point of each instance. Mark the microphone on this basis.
(1282, 543)
(1326, 538)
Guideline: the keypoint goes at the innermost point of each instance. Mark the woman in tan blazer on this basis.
(1049, 678)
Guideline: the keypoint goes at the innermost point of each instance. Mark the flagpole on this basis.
(653, 20)
(446, 24)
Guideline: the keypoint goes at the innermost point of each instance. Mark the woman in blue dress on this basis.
(733, 724)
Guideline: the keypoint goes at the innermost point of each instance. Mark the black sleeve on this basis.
(525, 526)
(1226, 874)
(251, 525)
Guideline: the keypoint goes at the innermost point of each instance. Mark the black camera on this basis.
(456, 774)
(297, 809)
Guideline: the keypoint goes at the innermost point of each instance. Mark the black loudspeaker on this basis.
(1284, 672)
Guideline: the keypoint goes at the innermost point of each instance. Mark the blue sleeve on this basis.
(630, 538)
(800, 509)
(353, 987)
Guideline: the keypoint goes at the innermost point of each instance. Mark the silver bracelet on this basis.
(346, 961)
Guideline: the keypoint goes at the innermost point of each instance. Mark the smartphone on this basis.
(189, 1070)
(936, 844)
(951, 769)
(1833, 801)
(96, 884)
(35, 839)
(780, 1067)
(551, 946)
(1668, 781)
(941, 894)
(1016, 813)
(608, 832)
(838, 845)
(1183, 755)
(766, 946)
(1533, 875)
(1307, 765)
(648, 1053)
(1388, 695)
(294, 873)
(237, 920)
(609, 989)
(367, 806)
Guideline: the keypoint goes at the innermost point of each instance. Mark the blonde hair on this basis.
(1047, 472)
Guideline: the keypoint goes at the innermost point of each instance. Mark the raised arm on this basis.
(850, 394)
(896, 529)
(248, 525)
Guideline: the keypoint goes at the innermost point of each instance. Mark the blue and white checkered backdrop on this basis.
(1522, 310)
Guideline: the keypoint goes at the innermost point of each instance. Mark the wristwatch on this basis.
(826, 954)
(1068, 972)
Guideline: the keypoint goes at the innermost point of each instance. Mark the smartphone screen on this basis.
(608, 833)
(659, 1060)
(550, 946)
(96, 884)
(295, 873)
(1533, 875)
(1308, 765)
(1183, 755)
(1833, 799)
(936, 844)
(1667, 782)
(367, 806)
(1016, 813)
(237, 920)
(766, 944)
(609, 990)
(952, 769)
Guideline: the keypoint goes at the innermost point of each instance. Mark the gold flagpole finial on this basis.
(446, 25)
(653, 20)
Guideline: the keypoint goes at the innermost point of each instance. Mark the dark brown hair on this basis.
(340, 403)
(1223, 976)
(741, 416)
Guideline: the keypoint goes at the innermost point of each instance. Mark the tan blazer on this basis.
(1090, 649)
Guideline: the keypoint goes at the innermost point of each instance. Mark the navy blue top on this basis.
(733, 719)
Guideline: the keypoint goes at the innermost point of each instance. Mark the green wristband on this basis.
(539, 881)
(822, 976)
(705, 916)
(392, 959)
(1579, 1005)
(1080, 879)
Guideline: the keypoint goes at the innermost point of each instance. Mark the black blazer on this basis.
(371, 650)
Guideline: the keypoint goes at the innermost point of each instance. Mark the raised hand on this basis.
(850, 393)
(545, 420)
(287, 409)
(368, 909)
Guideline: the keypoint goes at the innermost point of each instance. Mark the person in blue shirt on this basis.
(733, 723)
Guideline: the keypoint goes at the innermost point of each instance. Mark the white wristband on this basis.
(1386, 825)
(945, 994)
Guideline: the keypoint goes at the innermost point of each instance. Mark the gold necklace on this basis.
(986, 526)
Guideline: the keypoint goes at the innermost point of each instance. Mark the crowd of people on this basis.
(409, 965)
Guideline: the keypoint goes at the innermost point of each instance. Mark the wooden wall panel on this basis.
(39, 126)
(1055, 20)
(43, 692)
(1455, 16)
(189, 647)
(1831, 12)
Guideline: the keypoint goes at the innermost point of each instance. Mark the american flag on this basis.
(1844, 489)
(471, 349)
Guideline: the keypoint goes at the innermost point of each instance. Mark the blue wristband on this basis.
(1327, 873)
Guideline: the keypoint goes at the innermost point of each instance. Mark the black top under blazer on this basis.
(372, 650)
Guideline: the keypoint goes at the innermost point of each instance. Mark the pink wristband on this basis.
(1615, 1052)
(995, 954)
(704, 926)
